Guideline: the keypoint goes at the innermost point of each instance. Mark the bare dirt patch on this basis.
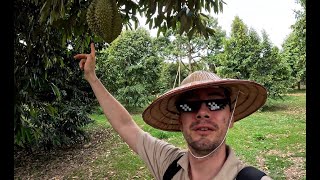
(296, 170)
(297, 94)
(57, 164)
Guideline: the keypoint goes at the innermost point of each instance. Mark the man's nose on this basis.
(203, 112)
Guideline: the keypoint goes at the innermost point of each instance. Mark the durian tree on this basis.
(130, 69)
(52, 101)
(186, 16)
(247, 56)
(294, 47)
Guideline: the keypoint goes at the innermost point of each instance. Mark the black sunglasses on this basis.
(194, 106)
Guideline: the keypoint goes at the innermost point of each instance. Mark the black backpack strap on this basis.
(247, 173)
(173, 168)
(250, 173)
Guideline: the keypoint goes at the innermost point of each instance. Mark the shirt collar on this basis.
(229, 169)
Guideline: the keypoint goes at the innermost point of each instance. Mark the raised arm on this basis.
(118, 116)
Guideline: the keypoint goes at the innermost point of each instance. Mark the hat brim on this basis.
(162, 113)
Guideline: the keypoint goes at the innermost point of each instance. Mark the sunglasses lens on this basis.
(190, 106)
(216, 104)
(193, 106)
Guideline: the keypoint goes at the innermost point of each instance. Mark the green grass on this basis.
(272, 139)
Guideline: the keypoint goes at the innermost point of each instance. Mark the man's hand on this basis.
(88, 63)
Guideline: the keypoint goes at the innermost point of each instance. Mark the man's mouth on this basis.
(203, 128)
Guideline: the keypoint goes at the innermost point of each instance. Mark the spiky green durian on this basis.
(104, 19)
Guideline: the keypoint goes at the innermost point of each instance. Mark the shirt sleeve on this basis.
(157, 154)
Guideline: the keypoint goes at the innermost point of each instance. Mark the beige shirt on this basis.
(158, 155)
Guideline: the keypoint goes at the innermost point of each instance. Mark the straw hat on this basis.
(162, 113)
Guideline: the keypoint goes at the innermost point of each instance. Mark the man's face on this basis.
(204, 129)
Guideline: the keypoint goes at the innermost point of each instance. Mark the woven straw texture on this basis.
(162, 113)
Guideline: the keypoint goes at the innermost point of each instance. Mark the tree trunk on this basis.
(190, 58)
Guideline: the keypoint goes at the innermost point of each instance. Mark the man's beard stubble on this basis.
(203, 146)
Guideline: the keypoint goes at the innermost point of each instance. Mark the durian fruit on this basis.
(91, 18)
(104, 19)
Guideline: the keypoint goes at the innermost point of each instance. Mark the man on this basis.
(203, 108)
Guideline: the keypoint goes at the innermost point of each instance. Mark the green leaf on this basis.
(56, 91)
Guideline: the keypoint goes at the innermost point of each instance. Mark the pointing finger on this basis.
(80, 56)
(93, 51)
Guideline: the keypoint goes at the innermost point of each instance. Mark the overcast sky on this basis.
(274, 16)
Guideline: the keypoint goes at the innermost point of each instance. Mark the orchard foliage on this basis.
(51, 98)
(53, 101)
(246, 56)
(130, 68)
(189, 17)
(294, 47)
